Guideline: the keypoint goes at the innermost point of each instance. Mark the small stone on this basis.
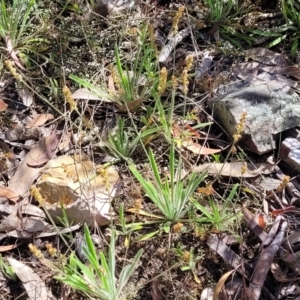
(101, 8)
(106, 7)
(269, 112)
(290, 153)
(207, 294)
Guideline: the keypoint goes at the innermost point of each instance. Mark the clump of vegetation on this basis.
(97, 276)
(166, 208)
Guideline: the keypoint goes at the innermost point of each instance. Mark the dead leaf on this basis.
(26, 95)
(269, 247)
(235, 169)
(279, 274)
(49, 230)
(11, 222)
(86, 94)
(221, 283)
(185, 132)
(40, 120)
(3, 105)
(34, 286)
(208, 190)
(9, 194)
(199, 149)
(48, 263)
(32, 210)
(65, 141)
(27, 172)
(207, 294)
(261, 220)
(156, 293)
(268, 57)
(13, 53)
(129, 106)
(9, 247)
(44, 150)
(290, 70)
(229, 256)
(185, 135)
(111, 84)
(32, 225)
(277, 212)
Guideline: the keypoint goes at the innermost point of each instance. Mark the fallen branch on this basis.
(168, 48)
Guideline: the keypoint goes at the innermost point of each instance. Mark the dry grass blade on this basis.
(221, 283)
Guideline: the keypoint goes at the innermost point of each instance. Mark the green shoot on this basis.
(97, 278)
(218, 218)
(170, 196)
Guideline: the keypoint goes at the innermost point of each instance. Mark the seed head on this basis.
(68, 98)
(177, 18)
(162, 80)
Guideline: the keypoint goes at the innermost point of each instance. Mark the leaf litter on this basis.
(66, 177)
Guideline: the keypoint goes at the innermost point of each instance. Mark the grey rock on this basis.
(269, 112)
(290, 153)
(105, 7)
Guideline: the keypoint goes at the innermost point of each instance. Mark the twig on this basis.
(167, 49)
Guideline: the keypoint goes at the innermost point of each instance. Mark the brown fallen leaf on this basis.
(40, 120)
(229, 256)
(65, 141)
(33, 284)
(9, 247)
(28, 171)
(111, 84)
(199, 149)
(185, 136)
(235, 169)
(279, 274)
(156, 293)
(221, 283)
(268, 57)
(45, 150)
(252, 224)
(9, 194)
(281, 211)
(3, 105)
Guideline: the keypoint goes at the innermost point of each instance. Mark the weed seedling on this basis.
(7, 270)
(172, 195)
(97, 277)
(219, 218)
